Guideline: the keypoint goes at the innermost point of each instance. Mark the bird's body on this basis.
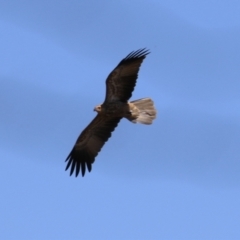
(120, 84)
(116, 108)
(127, 110)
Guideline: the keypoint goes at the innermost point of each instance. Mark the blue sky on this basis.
(176, 179)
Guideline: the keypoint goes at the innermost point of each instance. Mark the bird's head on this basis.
(98, 108)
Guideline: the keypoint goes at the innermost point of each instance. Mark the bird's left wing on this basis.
(121, 81)
(90, 142)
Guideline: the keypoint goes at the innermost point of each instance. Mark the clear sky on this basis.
(176, 179)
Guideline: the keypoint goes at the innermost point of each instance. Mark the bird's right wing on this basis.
(90, 142)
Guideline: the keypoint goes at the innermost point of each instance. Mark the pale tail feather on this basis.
(143, 110)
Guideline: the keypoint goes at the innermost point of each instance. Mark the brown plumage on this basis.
(119, 87)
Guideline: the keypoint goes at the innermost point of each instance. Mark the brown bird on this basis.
(119, 87)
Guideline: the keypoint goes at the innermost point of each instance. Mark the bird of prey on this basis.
(119, 87)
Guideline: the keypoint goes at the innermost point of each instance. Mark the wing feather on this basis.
(121, 81)
(89, 144)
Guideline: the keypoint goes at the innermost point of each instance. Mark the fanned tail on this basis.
(142, 111)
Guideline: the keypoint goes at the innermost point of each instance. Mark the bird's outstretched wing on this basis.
(121, 81)
(90, 142)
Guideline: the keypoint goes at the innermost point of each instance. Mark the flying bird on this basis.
(119, 87)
